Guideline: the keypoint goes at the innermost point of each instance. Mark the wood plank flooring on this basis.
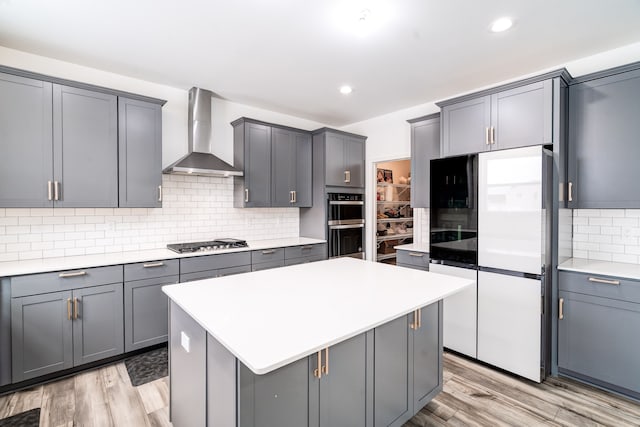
(473, 395)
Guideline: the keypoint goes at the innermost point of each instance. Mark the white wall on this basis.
(388, 136)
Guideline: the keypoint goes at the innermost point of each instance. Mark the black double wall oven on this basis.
(345, 225)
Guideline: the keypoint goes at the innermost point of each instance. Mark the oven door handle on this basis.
(345, 227)
(347, 202)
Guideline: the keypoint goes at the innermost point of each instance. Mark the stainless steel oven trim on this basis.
(344, 222)
(345, 226)
(347, 202)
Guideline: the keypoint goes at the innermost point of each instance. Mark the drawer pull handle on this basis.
(153, 264)
(605, 281)
(415, 254)
(74, 274)
(306, 248)
(269, 252)
(561, 309)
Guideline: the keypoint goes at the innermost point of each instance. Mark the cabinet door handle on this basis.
(570, 191)
(56, 190)
(486, 136)
(76, 303)
(246, 195)
(68, 308)
(347, 176)
(414, 324)
(159, 193)
(561, 309)
(493, 135)
(269, 252)
(50, 190)
(419, 311)
(295, 196)
(605, 281)
(325, 367)
(153, 264)
(415, 254)
(72, 274)
(318, 371)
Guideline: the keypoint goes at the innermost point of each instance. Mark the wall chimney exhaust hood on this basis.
(199, 160)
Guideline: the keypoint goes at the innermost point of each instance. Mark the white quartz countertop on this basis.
(268, 319)
(16, 268)
(606, 268)
(414, 247)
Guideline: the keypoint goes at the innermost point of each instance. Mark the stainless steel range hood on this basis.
(199, 160)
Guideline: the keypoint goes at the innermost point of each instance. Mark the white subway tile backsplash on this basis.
(8, 221)
(607, 234)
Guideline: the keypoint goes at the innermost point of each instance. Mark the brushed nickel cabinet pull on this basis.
(306, 248)
(570, 191)
(68, 308)
(269, 252)
(416, 254)
(493, 135)
(153, 264)
(159, 193)
(486, 136)
(325, 367)
(561, 309)
(605, 281)
(318, 371)
(75, 308)
(50, 190)
(295, 196)
(73, 274)
(419, 311)
(414, 324)
(56, 190)
(246, 195)
(347, 176)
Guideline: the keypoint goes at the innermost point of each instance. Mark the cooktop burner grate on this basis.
(207, 246)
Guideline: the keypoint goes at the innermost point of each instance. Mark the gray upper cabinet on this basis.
(276, 162)
(291, 168)
(140, 153)
(425, 145)
(513, 117)
(597, 322)
(344, 159)
(85, 148)
(603, 141)
(26, 141)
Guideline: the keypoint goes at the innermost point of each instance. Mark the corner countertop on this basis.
(43, 265)
(414, 247)
(605, 268)
(268, 319)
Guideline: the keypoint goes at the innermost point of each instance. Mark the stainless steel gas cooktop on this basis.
(212, 245)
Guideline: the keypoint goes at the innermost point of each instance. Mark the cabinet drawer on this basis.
(600, 286)
(415, 259)
(267, 265)
(304, 260)
(151, 269)
(266, 255)
(213, 262)
(305, 251)
(65, 280)
(209, 274)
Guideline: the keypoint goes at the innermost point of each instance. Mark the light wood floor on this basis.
(473, 395)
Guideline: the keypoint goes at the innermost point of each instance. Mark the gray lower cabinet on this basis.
(515, 117)
(85, 148)
(294, 255)
(412, 259)
(140, 154)
(408, 365)
(26, 141)
(344, 157)
(208, 266)
(603, 140)
(59, 330)
(145, 305)
(425, 146)
(597, 330)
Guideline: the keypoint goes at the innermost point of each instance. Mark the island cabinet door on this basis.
(427, 356)
(393, 402)
(339, 396)
(277, 399)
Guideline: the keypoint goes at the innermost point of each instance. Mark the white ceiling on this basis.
(291, 56)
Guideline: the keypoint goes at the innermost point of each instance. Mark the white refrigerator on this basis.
(514, 208)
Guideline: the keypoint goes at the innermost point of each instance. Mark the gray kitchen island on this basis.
(342, 342)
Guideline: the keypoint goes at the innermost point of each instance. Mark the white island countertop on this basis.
(268, 319)
(43, 265)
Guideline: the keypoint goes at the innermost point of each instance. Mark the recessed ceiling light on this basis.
(346, 89)
(501, 24)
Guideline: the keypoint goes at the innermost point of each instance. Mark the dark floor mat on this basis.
(147, 367)
(26, 419)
